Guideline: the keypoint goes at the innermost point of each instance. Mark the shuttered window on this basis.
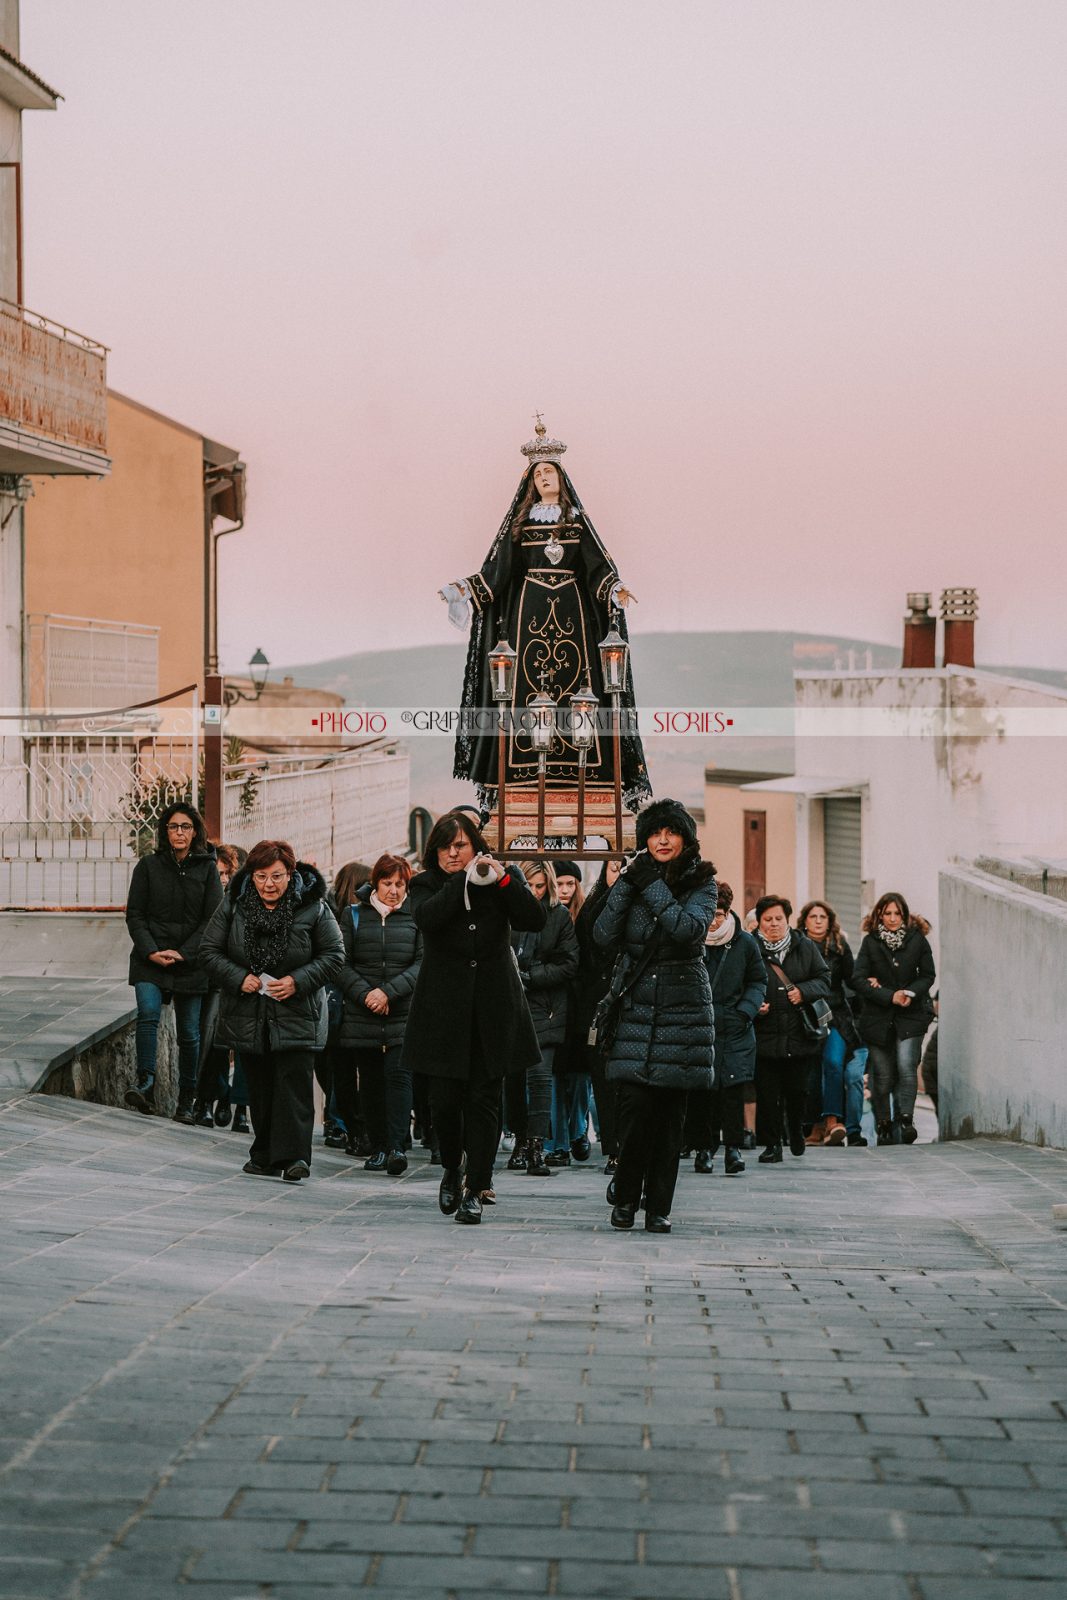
(842, 862)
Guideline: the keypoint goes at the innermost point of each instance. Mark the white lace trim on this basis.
(540, 512)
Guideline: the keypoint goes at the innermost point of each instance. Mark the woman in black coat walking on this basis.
(383, 953)
(658, 915)
(785, 1053)
(547, 961)
(595, 966)
(839, 1098)
(173, 895)
(469, 1025)
(893, 977)
(271, 948)
(738, 989)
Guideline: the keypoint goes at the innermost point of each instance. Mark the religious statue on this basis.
(548, 586)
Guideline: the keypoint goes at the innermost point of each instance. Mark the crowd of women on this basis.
(488, 1009)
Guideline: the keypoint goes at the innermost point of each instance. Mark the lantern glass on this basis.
(258, 670)
(613, 656)
(584, 706)
(544, 721)
(502, 671)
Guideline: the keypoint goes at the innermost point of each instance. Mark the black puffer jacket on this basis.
(548, 960)
(738, 988)
(170, 904)
(314, 957)
(666, 1032)
(779, 1032)
(380, 953)
(910, 967)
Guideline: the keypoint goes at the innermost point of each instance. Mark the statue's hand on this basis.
(456, 596)
(624, 596)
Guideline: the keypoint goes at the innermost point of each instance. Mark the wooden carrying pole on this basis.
(616, 751)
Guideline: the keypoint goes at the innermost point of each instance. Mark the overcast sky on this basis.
(786, 275)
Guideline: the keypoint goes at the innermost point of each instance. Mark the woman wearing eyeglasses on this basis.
(173, 894)
(272, 947)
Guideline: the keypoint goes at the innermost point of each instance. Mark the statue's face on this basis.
(546, 481)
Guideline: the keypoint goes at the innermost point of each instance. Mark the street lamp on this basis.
(258, 671)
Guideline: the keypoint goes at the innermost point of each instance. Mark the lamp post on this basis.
(584, 707)
(258, 671)
(614, 655)
(542, 732)
(502, 660)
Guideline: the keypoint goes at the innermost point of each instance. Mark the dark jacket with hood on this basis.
(779, 1031)
(910, 967)
(548, 961)
(313, 957)
(380, 953)
(170, 904)
(468, 991)
(666, 1032)
(738, 987)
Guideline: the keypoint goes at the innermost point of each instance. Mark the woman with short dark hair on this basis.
(173, 895)
(383, 953)
(272, 946)
(785, 1051)
(893, 977)
(469, 1024)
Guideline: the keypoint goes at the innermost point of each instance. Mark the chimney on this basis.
(920, 633)
(959, 607)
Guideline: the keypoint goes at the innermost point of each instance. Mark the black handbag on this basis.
(816, 1016)
(606, 1017)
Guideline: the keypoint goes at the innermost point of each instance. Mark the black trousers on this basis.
(781, 1094)
(528, 1098)
(715, 1116)
(384, 1093)
(606, 1096)
(281, 1102)
(650, 1138)
(466, 1117)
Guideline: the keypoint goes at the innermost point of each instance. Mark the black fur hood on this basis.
(687, 871)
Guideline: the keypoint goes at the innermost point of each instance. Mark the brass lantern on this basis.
(583, 708)
(502, 660)
(542, 710)
(614, 653)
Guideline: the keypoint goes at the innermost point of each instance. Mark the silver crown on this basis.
(541, 447)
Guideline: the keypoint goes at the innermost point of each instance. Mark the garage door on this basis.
(843, 862)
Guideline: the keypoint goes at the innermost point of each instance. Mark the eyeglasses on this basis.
(269, 877)
(180, 827)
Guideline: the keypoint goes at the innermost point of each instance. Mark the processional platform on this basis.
(524, 820)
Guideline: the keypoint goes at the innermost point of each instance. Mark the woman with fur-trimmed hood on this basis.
(658, 915)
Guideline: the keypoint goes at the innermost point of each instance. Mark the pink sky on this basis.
(787, 277)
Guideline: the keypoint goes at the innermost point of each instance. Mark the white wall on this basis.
(1002, 1036)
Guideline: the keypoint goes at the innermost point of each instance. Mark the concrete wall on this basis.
(1002, 1037)
(130, 549)
(64, 944)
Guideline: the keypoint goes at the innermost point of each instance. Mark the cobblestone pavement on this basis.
(841, 1377)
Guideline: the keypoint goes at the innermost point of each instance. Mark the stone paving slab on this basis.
(843, 1378)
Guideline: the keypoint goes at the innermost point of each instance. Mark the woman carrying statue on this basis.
(551, 589)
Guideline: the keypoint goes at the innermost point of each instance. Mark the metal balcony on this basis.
(53, 397)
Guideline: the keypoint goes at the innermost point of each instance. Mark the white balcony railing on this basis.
(88, 664)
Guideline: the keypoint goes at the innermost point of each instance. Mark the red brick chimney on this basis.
(920, 633)
(959, 608)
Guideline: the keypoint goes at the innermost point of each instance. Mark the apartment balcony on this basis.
(53, 398)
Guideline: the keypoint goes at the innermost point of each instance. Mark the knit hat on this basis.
(665, 814)
(567, 869)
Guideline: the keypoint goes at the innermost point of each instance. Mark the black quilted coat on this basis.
(380, 953)
(548, 961)
(779, 1031)
(666, 1033)
(910, 967)
(170, 904)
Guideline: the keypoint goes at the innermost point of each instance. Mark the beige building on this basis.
(749, 836)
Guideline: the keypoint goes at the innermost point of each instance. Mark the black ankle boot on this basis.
(183, 1111)
(451, 1191)
(773, 1152)
(536, 1166)
(907, 1129)
(240, 1120)
(733, 1162)
(517, 1158)
(202, 1115)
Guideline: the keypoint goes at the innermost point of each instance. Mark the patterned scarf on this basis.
(893, 939)
(267, 930)
(778, 950)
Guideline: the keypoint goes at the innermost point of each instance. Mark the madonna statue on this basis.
(551, 589)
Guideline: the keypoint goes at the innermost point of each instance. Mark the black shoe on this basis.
(470, 1208)
(335, 1138)
(183, 1111)
(797, 1142)
(581, 1149)
(748, 1140)
(396, 1164)
(202, 1115)
(297, 1172)
(451, 1191)
(908, 1131)
(654, 1224)
(254, 1170)
(223, 1113)
(611, 1164)
(240, 1120)
(517, 1158)
(142, 1100)
(888, 1133)
(611, 1192)
(733, 1163)
(435, 1157)
(558, 1158)
(622, 1216)
(857, 1139)
(773, 1152)
(705, 1161)
(536, 1162)
(376, 1162)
